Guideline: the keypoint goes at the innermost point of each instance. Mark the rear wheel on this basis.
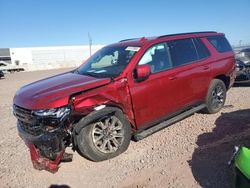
(105, 138)
(216, 96)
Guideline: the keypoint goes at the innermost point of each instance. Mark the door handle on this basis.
(205, 67)
(172, 77)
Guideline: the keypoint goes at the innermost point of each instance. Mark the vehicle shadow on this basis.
(59, 186)
(209, 160)
(246, 84)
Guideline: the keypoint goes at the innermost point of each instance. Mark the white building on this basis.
(39, 58)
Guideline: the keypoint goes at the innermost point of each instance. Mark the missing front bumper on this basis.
(46, 150)
(41, 163)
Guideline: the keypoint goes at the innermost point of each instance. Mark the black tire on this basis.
(87, 144)
(216, 96)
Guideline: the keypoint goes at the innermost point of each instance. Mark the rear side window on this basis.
(201, 49)
(182, 51)
(220, 43)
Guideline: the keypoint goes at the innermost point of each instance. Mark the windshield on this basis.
(108, 62)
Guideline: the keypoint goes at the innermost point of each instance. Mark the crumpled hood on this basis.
(55, 91)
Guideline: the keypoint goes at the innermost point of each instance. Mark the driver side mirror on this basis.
(142, 72)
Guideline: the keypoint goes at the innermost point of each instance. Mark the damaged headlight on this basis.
(54, 113)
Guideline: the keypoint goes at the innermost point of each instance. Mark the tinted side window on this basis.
(182, 51)
(220, 43)
(201, 49)
(157, 57)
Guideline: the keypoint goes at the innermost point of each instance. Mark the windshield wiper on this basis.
(96, 75)
(90, 74)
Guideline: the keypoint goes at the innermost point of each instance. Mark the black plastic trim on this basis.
(140, 134)
(177, 34)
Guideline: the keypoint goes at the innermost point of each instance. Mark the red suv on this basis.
(122, 92)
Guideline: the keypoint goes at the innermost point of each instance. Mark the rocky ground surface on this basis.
(191, 153)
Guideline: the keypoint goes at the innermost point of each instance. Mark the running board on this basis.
(145, 133)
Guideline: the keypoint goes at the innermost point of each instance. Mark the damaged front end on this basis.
(242, 71)
(46, 133)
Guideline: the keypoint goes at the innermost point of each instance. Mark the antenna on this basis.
(90, 44)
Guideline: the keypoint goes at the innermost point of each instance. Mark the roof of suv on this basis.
(143, 40)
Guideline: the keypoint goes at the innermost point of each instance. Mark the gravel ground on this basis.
(190, 153)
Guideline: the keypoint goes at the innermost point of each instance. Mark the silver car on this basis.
(243, 65)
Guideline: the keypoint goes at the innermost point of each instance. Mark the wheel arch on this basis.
(224, 78)
(93, 116)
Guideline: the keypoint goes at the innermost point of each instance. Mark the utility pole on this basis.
(90, 44)
(240, 43)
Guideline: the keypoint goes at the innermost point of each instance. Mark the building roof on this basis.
(4, 52)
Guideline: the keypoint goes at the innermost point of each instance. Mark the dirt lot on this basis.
(190, 153)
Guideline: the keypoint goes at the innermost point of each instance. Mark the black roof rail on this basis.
(186, 33)
(129, 39)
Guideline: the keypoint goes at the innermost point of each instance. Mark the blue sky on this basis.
(27, 23)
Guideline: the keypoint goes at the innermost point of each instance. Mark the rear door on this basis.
(192, 69)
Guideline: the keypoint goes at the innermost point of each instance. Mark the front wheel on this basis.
(105, 138)
(216, 96)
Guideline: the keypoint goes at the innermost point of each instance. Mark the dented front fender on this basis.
(115, 94)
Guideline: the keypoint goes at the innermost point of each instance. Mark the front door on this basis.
(154, 97)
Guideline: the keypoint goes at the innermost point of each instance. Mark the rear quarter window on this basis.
(220, 43)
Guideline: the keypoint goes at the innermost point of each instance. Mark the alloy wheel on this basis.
(217, 97)
(108, 134)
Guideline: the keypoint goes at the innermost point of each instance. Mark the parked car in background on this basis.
(124, 90)
(243, 65)
(246, 53)
(242, 71)
(9, 67)
(1, 74)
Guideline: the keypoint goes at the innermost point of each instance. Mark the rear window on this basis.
(220, 43)
(182, 51)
